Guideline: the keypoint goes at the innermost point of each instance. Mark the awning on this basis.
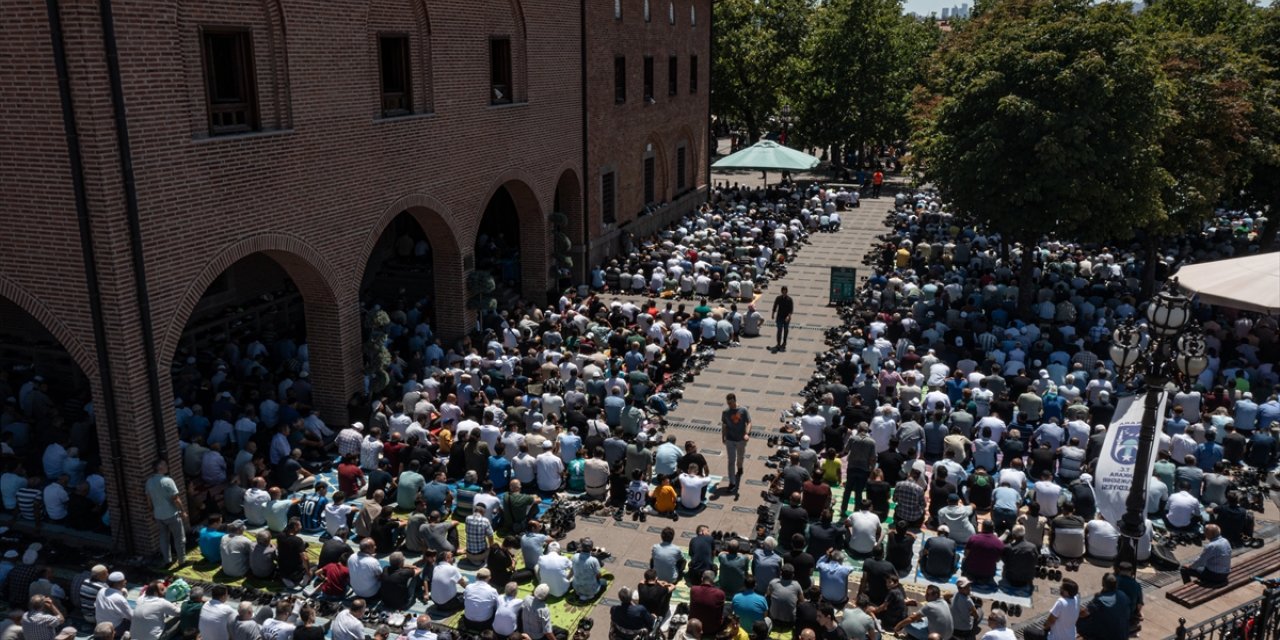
(1251, 283)
(768, 155)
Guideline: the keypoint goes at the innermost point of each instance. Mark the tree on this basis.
(1047, 120)
(856, 71)
(756, 43)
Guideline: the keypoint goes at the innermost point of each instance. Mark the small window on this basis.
(617, 9)
(500, 88)
(229, 81)
(680, 169)
(673, 75)
(649, 179)
(693, 74)
(693, 16)
(619, 79)
(393, 60)
(648, 79)
(608, 207)
(646, 10)
(671, 12)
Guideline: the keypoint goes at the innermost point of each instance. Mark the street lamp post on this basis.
(1174, 350)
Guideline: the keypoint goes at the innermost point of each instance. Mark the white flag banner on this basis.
(1120, 454)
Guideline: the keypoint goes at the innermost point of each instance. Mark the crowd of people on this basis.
(980, 424)
(983, 426)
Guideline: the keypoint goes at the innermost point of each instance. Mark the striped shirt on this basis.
(30, 502)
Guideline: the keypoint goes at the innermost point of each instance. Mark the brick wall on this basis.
(620, 135)
(315, 188)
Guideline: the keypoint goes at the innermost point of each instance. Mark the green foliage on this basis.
(756, 44)
(1047, 119)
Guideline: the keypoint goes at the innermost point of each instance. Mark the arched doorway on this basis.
(261, 349)
(400, 275)
(48, 419)
(568, 250)
(498, 248)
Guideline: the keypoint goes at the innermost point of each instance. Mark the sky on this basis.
(925, 7)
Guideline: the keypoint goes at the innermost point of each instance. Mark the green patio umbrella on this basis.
(767, 155)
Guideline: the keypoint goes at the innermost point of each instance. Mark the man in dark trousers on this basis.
(783, 306)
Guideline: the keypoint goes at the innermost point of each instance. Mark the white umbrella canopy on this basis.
(768, 155)
(1251, 283)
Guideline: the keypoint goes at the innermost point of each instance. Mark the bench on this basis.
(1256, 564)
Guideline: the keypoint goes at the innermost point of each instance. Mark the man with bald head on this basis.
(1214, 563)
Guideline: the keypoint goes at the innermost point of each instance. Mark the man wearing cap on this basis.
(535, 616)
(549, 469)
(553, 570)
(112, 604)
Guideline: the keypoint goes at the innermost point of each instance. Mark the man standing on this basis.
(783, 306)
(166, 506)
(861, 452)
(735, 431)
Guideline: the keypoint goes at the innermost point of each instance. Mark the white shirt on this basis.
(370, 451)
(1067, 612)
(55, 501)
(150, 615)
(1003, 633)
(444, 583)
(691, 490)
(549, 468)
(480, 601)
(1047, 493)
(1182, 506)
(112, 606)
(274, 629)
(216, 618)
(345, 627)
(335, 516)
(553, 571)
(255, 506)
(506, 616)
(365, 574)
(1101, 539)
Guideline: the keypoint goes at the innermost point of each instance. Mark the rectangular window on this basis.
(229, 82)
(673, 75)
(693, 74)
(500, 88)
(680, 168)
(393, 60)
(608, 207)
(649, 178)
(619, 79)
(648, 79)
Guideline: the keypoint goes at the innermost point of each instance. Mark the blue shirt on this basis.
(833, 577)
(666, 458)
(312, 508)
(984, 454)
(499, 473)
(210, 542)
(749, 606)
(434, 494)
(934, 433)
(1207, 455)
(1246, 415)
(1006, 498)
(1216, 557)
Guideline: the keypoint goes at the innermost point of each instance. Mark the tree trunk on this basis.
(1267, 237)
(753, 128)
(1151, 255)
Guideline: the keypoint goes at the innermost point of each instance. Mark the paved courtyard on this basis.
(767, 383)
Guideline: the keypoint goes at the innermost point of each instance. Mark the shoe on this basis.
(617, 515)
(675, 517)
(643, 516)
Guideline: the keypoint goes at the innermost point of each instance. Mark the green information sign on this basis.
(844, 285)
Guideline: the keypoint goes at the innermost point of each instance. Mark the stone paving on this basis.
(767, 383)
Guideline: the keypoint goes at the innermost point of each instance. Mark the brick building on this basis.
(162, 162)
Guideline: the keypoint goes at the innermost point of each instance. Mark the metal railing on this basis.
(1258, 619)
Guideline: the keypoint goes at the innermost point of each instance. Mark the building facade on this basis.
(159, 157)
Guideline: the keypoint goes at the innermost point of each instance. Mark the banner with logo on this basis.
(1120, 454)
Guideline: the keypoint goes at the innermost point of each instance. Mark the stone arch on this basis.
(693, 151)
(568, 200)
(79, 352)
(534, 230)
(332, 317)
(437, 222)
(662, 173)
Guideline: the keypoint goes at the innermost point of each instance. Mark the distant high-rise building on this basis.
(964, 10)
(946, 13)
